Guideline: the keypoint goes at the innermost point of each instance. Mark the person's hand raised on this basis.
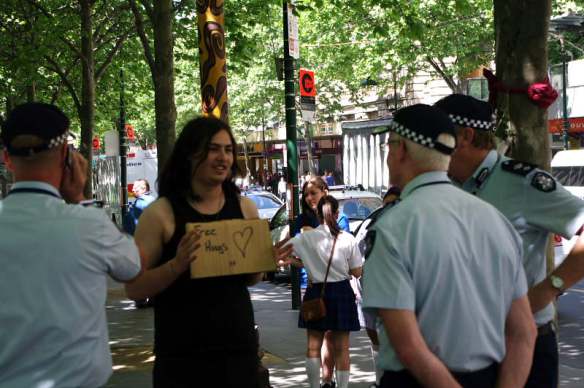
(283, 252)
(187, 250)
(74, 178)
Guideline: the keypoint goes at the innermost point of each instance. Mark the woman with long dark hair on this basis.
(315, 248)
(204, 328)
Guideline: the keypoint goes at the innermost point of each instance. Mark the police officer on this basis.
(534, 203)
(55, 258)
(443, 272)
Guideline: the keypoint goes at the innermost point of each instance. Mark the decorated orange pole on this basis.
(212, 59)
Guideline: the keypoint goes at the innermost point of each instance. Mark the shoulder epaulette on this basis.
(517, 167)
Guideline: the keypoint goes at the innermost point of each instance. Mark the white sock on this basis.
(342, 378)
(375, 356)
(313, 372)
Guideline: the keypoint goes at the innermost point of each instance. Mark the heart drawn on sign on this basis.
(242, 239)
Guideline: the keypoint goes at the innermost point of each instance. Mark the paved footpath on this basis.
(131, 333)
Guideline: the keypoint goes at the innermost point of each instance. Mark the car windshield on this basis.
(264, 202)
(359, 208)
(569, 175)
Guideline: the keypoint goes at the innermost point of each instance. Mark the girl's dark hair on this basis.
(327, 209)
(318, 182)
(191, 146)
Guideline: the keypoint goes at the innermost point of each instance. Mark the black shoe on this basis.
(330, 384)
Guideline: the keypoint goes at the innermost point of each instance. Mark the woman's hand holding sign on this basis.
(186, 252)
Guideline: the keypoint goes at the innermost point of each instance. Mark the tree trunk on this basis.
(212, 59)
(521, 33)
(87, 113)
(246, 156)
(163, 77)
(521, 29)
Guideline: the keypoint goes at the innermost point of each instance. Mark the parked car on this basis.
(568, 169)
(266, 202)
(355, 203)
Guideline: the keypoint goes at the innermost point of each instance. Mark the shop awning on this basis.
(364, 127)
(557, 126)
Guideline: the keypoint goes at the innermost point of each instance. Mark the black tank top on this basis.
(193, 317)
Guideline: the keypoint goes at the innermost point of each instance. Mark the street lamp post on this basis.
(123, 148)
(569, 22)
(566, 120)
(291, 147)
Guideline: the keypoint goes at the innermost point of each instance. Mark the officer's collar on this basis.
(482, 171)
(37, 185)
(424, 179)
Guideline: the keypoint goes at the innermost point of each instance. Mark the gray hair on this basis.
(428, 158)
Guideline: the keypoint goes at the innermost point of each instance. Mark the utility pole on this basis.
(123, 149)
(291, 147)
(566, 120)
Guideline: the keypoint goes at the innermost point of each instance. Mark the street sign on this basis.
(307, 87)
(307, 95)
(293, 45)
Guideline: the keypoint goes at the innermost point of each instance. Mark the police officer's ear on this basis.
(464, 136)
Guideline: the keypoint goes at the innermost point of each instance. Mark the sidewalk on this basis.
(131, 338)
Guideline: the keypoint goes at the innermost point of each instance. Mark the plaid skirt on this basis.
(341, 308)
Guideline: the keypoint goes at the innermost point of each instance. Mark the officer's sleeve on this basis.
(549, 206)
(520, 284)
(520, 279)
(387, 283)
(118, 250)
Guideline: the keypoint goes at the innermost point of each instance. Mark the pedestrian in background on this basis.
(282, 187)
(443, 271)
(203, 328)
(313, 190)
(141, 191)
(535, 203)
(315, 248)
(55, 258)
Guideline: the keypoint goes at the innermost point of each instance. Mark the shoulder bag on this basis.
(315, 309)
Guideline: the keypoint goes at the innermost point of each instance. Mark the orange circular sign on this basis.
(307, 87)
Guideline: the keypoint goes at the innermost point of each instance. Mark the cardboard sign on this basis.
(232, 247)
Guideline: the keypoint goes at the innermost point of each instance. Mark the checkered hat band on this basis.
(411, 135)
(466, 122)
(57, 141)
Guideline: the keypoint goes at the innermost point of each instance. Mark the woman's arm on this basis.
(155, 227)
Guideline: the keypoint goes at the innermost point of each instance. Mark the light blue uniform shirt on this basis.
(54, 262)
(535, 204)
(453, 260)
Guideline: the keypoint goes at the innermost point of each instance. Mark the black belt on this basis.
(486, 377)
(546, 328)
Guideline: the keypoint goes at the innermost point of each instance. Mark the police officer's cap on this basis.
(467, 111)
(44, 121)
(422, 124)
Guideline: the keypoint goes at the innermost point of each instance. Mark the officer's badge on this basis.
(369, 241)
(543, 182)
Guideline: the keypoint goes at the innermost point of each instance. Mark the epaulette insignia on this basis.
(517, 167)
(543, 182)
